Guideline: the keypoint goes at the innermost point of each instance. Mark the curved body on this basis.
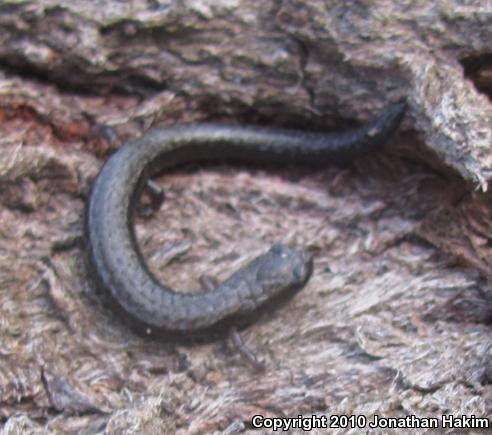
(114, 254)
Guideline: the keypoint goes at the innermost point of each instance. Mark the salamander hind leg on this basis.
(156, 196)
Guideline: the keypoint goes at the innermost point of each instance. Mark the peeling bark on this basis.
(286, 62)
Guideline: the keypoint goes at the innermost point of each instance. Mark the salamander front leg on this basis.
(208, 284)
(247, 354)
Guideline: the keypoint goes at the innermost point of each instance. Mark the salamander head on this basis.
(283, 268)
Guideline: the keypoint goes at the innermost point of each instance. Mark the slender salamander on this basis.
(115, 258)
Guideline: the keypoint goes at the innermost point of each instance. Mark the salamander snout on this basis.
(285, 268)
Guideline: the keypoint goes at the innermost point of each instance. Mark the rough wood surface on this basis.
(290, 61)
(389, 324)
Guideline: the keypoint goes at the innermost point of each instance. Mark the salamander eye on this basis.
(278, 249)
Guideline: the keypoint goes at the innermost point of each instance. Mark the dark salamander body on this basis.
(115, 258)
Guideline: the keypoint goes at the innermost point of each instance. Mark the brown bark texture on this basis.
(397, 317)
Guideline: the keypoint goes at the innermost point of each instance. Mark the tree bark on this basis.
(388, 324)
